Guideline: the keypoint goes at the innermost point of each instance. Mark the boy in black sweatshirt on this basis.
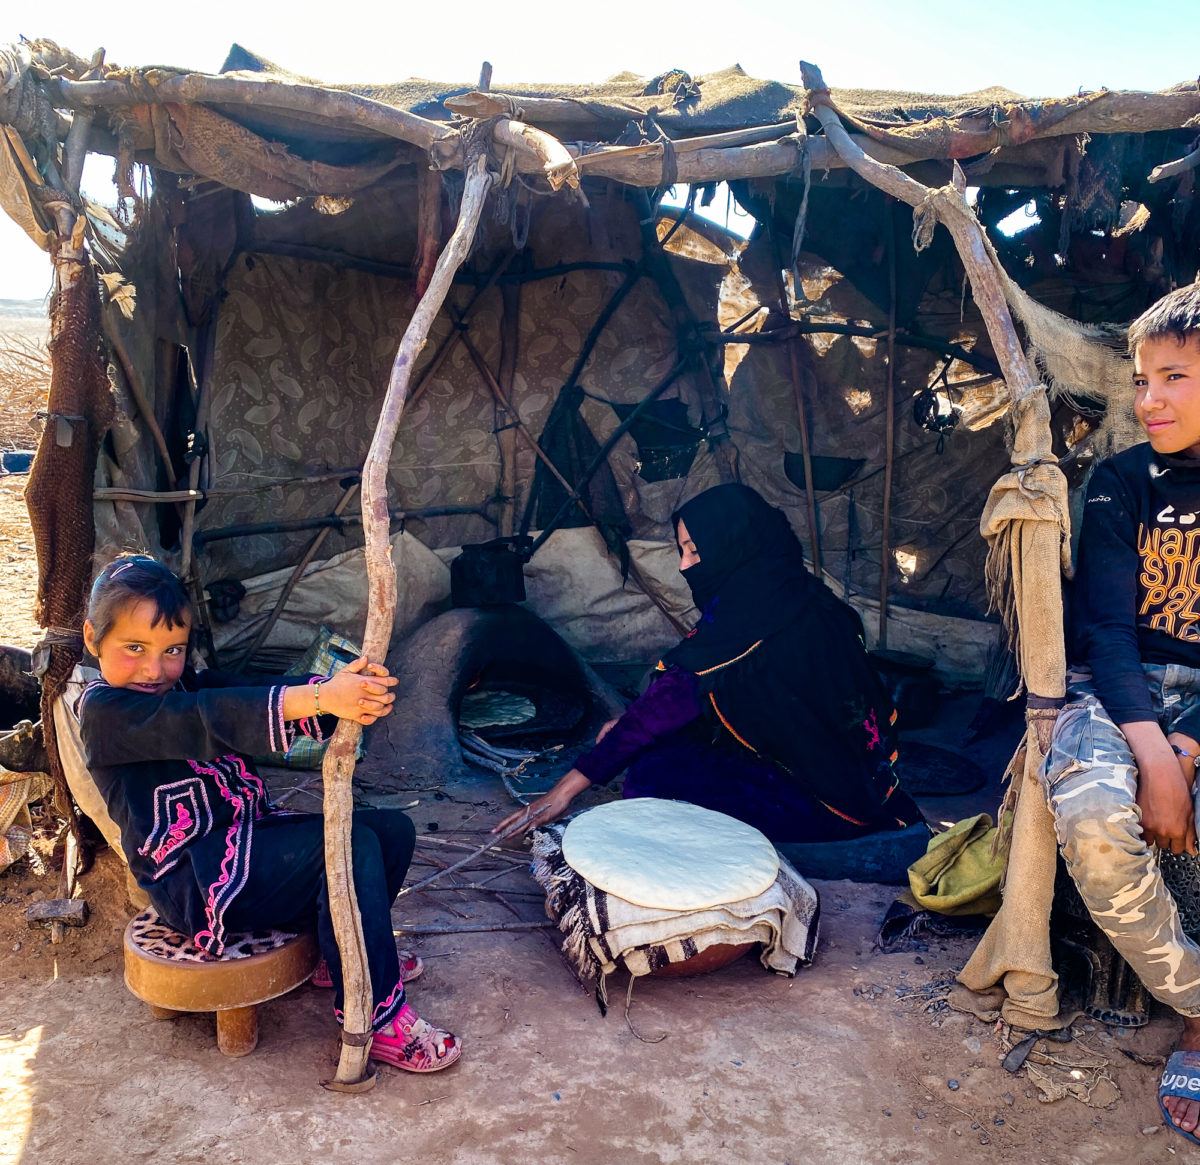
(1120, 776)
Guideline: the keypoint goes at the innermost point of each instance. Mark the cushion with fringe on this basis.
(602, 932)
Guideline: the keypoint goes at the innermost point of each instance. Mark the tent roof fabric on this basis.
(728, 99)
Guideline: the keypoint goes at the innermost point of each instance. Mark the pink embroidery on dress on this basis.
(273, 741)
(384, 1011)
(872, 729)
(235, 866)
(262, 800)
(182, 813)
(177, 833)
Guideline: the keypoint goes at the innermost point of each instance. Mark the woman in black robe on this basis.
(769, 710)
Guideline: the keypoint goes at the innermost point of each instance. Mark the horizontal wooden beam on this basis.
(162, 87)
(295, 525)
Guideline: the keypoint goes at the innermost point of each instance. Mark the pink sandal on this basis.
(416, 1046)
(411, 968)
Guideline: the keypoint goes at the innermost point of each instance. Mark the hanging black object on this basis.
(488, 573)
(933, 412)
(224, 599)
(666, 442)
(828, 473)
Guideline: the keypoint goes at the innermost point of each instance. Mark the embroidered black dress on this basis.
(201, 836)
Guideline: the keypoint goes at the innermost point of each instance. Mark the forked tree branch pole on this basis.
(950, 206)
(338, 766)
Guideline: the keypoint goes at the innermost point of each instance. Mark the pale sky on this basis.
(935, 46)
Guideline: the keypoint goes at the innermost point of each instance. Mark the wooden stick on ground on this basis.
(494, 852)
(479, 927)
(511, 831)
(338, 767)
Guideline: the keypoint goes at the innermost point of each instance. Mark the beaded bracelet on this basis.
(317, 697)
(1184, 753)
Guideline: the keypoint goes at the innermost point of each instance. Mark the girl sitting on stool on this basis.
(169, 751)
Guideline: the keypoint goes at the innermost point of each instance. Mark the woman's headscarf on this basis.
(751, 580)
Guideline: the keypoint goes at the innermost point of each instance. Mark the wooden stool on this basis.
(166, 970)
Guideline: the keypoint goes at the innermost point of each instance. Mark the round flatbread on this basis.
(494, 709)
(669, 855)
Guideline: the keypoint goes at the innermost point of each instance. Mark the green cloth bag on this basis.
(961, 869)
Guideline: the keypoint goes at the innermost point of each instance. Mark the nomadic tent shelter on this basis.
(248, 342)
(223, 341)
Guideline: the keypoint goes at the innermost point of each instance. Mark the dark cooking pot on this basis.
(488, 573)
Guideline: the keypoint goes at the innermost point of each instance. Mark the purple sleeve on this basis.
(670, 702)
(1106, 593)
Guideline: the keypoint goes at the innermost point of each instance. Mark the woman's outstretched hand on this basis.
(548, 807)
(605, 728)
(359, 692)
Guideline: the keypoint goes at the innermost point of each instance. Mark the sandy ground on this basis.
(836, 1065)
(20, 400)
(18, 566)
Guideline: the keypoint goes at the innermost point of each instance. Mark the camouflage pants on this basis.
(1091, 782)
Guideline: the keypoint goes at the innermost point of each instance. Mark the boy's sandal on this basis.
(411, 967)
(419, 1047)
(1181, 1077)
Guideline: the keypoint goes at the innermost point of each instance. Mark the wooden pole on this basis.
(506, 416)
(889, 412)
(1179, 166)
(334, 105)
(948, 204)
(338, 767)
(976, 132)
(810, 497)
(75, 151)
(429, 227)
(556, 161)
(763, 155)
